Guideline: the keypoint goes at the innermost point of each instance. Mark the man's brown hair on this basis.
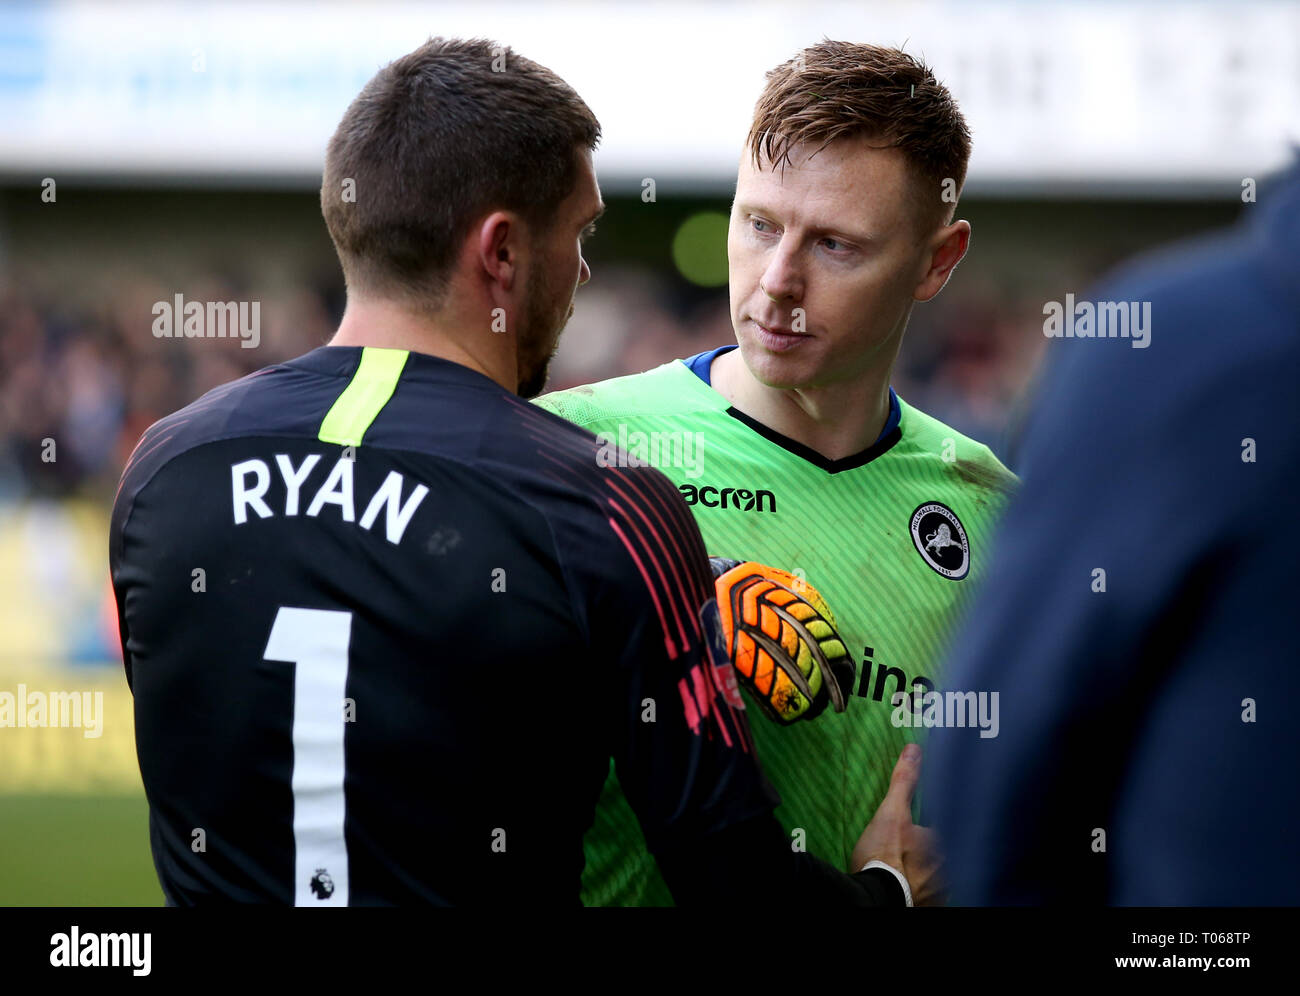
(437, 139)
(836, 90)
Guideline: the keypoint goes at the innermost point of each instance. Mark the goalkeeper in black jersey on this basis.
(428, 616)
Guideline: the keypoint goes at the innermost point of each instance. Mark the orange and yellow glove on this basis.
(782, 640)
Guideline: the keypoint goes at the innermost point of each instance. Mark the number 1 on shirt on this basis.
(316, 642)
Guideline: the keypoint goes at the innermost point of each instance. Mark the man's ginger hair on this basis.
(840, 90)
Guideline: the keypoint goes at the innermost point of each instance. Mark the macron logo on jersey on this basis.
(741, 498)
(251, 479)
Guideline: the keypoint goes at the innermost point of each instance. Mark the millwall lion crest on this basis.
(940, 539)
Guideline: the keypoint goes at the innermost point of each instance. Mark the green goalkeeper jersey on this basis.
(893, 537)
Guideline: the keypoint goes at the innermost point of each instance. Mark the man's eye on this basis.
(832, 244)
(759, 224)
(589, 231)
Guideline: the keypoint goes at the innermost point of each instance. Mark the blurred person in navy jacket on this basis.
(1149, 734)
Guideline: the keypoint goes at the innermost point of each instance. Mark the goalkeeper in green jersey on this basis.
(791, 447)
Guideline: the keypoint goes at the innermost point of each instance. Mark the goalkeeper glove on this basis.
(782, 641)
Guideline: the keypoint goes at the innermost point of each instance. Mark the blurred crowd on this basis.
(87, 373)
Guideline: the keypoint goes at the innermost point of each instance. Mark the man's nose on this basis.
(782, 280)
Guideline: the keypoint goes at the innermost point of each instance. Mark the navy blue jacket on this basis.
(1164, 710)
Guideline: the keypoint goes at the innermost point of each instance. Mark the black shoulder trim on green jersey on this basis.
(852, 462)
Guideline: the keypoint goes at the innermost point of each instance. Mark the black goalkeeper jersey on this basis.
(386, 624)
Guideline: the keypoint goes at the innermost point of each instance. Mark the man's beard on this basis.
(539, 336)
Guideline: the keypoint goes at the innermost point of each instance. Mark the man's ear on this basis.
(500, 238)
(947, 248)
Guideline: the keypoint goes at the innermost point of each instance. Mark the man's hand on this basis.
(893, 838)
(781, 638)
